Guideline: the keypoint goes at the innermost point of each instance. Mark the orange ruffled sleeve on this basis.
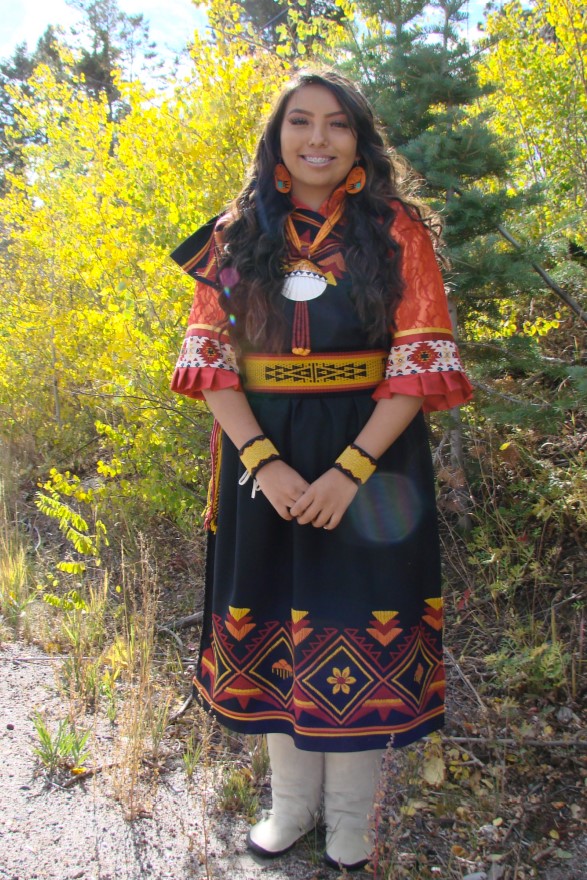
(207, 360)
(424, 360)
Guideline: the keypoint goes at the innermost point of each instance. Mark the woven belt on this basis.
(345, 371)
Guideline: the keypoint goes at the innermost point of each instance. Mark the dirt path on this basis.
(80, 833)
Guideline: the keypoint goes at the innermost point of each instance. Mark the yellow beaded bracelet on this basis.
(258, 452)
(356, 464)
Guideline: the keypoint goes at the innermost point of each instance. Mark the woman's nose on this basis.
(318, 135)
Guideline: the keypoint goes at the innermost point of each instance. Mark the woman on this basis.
(318, 335)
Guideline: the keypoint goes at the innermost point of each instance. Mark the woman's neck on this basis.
(311, 199)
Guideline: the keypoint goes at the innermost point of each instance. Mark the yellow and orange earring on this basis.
(282, 178)
(356, 180)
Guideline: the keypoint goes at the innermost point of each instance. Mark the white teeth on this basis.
(317, 160)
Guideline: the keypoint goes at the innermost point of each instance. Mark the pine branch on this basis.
(562, 294)
(509, 397)
(556, 288)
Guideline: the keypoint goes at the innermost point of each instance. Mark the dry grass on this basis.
(17, 590)
(142, 716)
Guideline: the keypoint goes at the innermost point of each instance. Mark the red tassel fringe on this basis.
(300, 342)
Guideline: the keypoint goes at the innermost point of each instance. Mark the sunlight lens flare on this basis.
(386, 510)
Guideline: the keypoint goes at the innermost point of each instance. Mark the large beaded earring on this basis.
(282, 178)
(356, 180)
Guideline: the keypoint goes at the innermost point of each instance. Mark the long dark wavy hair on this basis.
(254, 237)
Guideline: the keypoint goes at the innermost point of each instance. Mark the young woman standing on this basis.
(318, 336)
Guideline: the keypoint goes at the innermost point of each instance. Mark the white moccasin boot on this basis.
(296, 788)
(350, 783)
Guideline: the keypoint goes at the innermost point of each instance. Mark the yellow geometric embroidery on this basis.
(296, 616)
(384, 616)
(238, 613)
(361, 370)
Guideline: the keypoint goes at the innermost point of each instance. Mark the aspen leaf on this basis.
(412, 807)
(434, 770)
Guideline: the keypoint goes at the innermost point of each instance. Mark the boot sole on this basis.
(268, 854)
(356, 866)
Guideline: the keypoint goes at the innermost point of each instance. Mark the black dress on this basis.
(333, 637)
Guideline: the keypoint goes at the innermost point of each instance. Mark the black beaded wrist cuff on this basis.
(356, 464)
(258, 452)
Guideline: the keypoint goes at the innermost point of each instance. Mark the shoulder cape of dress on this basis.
(193, 254)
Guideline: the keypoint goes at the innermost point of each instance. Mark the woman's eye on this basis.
(298, 120)
(340, 123)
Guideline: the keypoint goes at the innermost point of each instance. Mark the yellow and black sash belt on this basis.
(336, 371)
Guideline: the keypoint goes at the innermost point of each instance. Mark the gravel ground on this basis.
(80, 833)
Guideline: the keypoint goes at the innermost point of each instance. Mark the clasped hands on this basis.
(321, 504)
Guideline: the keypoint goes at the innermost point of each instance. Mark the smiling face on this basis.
(318, 146)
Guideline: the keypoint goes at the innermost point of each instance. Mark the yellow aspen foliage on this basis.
(537, 59)
(93, 310)
(304, 32)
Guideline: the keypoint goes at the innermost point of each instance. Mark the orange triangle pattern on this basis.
(300, 628)
(239, 622)
(434, 616)
(383, 627)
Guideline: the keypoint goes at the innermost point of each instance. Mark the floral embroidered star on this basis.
(341, 681)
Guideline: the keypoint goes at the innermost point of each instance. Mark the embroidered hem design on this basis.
(378, 679)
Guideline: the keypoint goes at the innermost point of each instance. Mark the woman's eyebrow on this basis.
(309, 112)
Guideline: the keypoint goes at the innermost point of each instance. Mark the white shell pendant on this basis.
(303, 283)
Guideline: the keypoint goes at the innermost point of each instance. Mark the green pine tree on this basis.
(420, 75)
